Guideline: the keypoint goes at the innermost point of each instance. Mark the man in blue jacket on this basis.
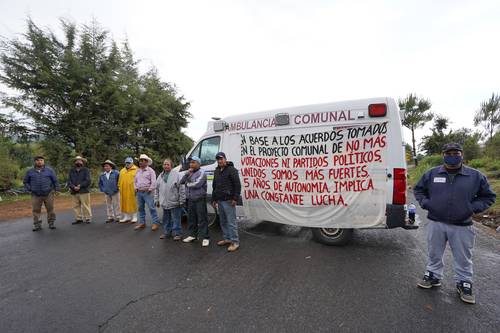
(451, 194)
(108, 184)
(41, 182)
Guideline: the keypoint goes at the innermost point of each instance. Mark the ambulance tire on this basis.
(332, 236)
(213, 220)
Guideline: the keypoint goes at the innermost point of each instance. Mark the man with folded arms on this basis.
(196, 195)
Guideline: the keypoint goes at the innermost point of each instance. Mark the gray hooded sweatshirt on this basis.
(170, 194)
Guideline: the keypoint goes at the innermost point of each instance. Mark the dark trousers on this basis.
(198, 218)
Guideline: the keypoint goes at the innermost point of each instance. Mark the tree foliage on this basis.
(432, 144)
(416, 112)
(84, 95)
(488, 115)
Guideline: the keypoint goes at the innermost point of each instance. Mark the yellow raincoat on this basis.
(128, 203)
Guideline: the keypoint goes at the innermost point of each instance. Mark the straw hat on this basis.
(84, 160)
(146, 157)
(111, 164)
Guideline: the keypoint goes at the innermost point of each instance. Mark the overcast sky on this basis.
(231, 57)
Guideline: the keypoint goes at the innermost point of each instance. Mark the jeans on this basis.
(146, 198)
(172, 221)
(461, 241)
(198, 218)
(227, 219)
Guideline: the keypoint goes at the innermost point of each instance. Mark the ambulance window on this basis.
(207, 149)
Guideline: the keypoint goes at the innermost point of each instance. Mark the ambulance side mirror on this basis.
(184, 163)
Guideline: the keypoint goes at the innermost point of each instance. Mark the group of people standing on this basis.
(129, 191)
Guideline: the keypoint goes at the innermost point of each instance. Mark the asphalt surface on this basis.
(108, 278)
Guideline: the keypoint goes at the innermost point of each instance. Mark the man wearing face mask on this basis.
(451, 194)
(79, 184)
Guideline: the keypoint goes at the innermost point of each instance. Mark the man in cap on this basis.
(128, 202)
(196, 194)
(145, 183)
(79, 184)
(171, 196)
(225, 195)
(452, 193)
(41, 182)
(108, 184)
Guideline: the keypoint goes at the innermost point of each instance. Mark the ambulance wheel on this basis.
(213, 220)
(332, 236)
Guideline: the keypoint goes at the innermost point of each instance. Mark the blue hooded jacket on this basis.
(454, 200)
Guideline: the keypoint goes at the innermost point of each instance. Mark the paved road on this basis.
(90, 278)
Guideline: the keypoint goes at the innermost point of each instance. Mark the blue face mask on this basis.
(452, 160)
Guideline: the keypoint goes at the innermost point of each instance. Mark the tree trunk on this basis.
(414, 153)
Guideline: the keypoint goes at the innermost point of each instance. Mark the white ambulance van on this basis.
(331, 167)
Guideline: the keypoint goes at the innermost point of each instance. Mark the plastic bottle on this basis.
(412, 209)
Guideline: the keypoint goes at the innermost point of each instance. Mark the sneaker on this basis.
(110, 221)
(52, 226)
(37, 227)
(233, 247)
(464, 289)
(154, 227)
(223, 242)
(87, 221)
(205, 243)
(429, 281)
(77, 222)
(163, 236)
(140, 226)
(189, 239)
(177, 238)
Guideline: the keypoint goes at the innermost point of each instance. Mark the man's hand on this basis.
(214, 204)
(157, 204)
(233, 203)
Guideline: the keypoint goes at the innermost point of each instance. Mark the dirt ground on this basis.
(22, 208)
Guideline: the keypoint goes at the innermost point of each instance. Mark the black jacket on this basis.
(226, 184)
(81, 177)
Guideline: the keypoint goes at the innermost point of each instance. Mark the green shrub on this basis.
(486, 163)
(8, 170)
(425, 164)
(477, 163)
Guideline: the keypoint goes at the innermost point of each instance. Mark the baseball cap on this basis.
(220, 155)
(129, 160)
(195, 158)
(452, 146)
